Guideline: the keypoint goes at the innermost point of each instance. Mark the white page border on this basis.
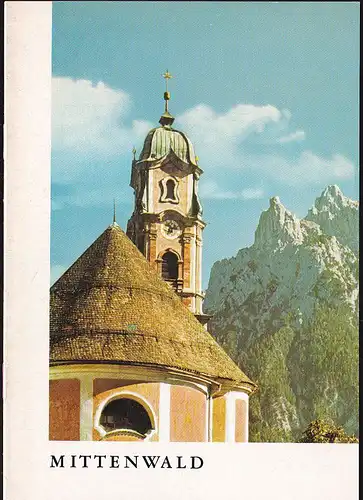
(258, 471)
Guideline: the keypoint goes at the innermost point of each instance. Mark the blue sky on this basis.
(267, 92)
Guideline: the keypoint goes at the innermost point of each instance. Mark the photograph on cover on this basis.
(204, 222)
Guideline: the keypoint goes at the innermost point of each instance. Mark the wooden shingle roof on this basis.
(111, 306)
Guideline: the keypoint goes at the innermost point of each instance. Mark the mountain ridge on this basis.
(296, 271)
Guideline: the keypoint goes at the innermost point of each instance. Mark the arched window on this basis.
(126, 414)
(170, 190)
(169, 266)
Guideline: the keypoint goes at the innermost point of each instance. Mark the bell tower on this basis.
(166, 224)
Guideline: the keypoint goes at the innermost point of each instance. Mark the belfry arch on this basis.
(169, 266)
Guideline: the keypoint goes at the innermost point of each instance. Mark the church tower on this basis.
(166, 224)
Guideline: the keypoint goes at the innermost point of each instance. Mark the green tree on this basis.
(272, 408)
(324, 367)
(326, 431)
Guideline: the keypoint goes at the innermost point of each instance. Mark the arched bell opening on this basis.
(127, 415)
(170, 268)
(171, 190)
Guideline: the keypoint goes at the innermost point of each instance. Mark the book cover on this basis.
(181, 249)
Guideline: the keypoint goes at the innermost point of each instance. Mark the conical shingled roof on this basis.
(111, 306)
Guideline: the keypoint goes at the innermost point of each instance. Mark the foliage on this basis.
(324, 366)
(302, 373)
(273, 407)
(326, 431)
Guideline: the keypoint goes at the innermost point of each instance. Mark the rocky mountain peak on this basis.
(331, 198)
(333, 190)
(277, 226)
(275, 201)
(337, 215)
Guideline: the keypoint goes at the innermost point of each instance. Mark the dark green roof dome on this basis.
(160, 141)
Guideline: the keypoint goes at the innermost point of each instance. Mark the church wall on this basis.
(188, 410)
(230, 418)
(64, 410)
(219, 419)
(152, 249)
(186, 263)
(107, 384)
(190, 191)
(241, 430)
(198, 270)
(193, 263)
(180, 411)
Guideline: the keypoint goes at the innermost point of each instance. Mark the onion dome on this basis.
(161, 140)
(111, 306)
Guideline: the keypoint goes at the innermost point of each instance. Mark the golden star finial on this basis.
(167, 77)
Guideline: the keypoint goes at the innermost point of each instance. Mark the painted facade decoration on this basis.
(130, 356)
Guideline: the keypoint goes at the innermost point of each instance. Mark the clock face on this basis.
(171, 229)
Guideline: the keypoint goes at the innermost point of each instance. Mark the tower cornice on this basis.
(170, 157)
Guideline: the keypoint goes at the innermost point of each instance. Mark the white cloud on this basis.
(298, 135)
(307, 168)
(223, 133)
(252, 193)
(90, 125)
(89, 118)
(221, 140)
(218, 136)
(211, 190)
(237, 123)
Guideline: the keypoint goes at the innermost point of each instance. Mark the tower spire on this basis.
(114, 211)
(167, 77)
(166, 119)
